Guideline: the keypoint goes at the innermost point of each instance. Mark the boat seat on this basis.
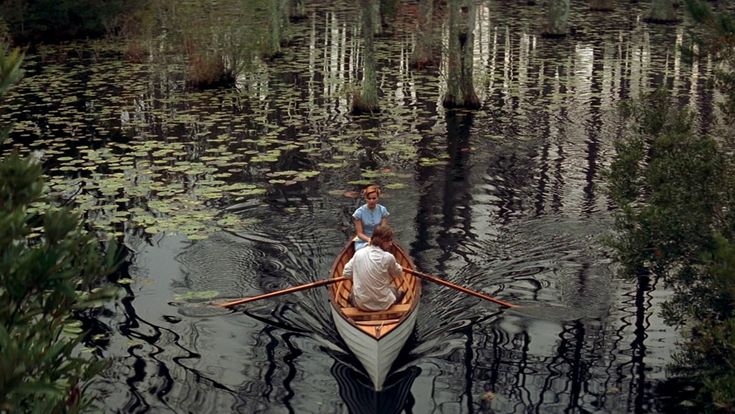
(395, 311)
(378, 322)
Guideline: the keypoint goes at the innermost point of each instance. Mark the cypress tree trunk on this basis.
(367, 100)
(422, 53)
(662, 11)
(274, 36)
(283, 12)
(460, 88)
(557, 17)
(602, 5)
(377, 20)
(388, 11)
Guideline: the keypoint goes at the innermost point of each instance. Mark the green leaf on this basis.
(73, 328)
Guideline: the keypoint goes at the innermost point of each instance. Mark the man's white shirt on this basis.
(371, 270)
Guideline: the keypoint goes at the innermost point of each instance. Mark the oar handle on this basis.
(318, 283)
(443, 282)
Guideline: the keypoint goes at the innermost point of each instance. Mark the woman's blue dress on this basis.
(370, 219)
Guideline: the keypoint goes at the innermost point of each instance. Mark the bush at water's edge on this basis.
(50, 273)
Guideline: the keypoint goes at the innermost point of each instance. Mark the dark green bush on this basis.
(53, 20)
(676, 192)
(50, 271)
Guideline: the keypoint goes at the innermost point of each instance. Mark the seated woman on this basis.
(372, 269)
(369, 215)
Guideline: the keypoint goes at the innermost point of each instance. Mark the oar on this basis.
(281, 292)
(459, 288)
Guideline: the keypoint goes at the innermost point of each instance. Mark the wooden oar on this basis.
(463, 289)
(281, 292)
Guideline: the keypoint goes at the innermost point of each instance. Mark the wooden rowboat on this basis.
(376, 338)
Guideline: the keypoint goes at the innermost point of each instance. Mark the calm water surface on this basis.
(508, 200)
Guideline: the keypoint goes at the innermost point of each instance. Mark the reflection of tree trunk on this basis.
(602, 5)
(662, 11)
(367, 100)
(594, 126)
(446, 197)
(460, 88)
(422, 53)
(557, 17)
(456, 209)
(638, 347)
(430, 197)
(577, 369)
(469, 368)
(543, 180)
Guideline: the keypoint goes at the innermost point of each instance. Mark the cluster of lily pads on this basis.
(130, 147)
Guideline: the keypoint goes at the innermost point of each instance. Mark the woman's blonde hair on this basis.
(371, 189)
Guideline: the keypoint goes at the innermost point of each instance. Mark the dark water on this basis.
(508, 200)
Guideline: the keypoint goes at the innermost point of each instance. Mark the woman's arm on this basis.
(360, 232)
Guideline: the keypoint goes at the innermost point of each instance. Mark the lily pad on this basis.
(196, 296)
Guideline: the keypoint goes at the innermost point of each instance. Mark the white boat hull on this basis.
(376, 356)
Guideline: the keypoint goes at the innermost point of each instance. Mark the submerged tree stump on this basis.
(460, 91)
(366, 101)
(661, 11)
(423, 53)
(557, 18)
(602, 5)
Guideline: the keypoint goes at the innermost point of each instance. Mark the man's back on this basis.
(372, 270)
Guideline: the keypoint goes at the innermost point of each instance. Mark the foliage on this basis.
(220, 39)
(708, 356)
(675, 190)
(207, 71)
(50, 268)
(10, 71)
(669, 182)
(4, 33)
(10, 74)
(53, 20)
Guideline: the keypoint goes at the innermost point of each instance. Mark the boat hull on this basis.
(375, 355)
(375, 338)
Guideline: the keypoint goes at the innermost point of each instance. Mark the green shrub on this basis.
(53, 20)
(675, 189)
(50, 272)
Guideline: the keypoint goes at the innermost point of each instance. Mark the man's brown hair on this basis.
(383, 233)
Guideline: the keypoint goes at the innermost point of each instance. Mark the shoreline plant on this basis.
(51, 272)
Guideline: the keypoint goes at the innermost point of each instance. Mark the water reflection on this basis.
(360, 397)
